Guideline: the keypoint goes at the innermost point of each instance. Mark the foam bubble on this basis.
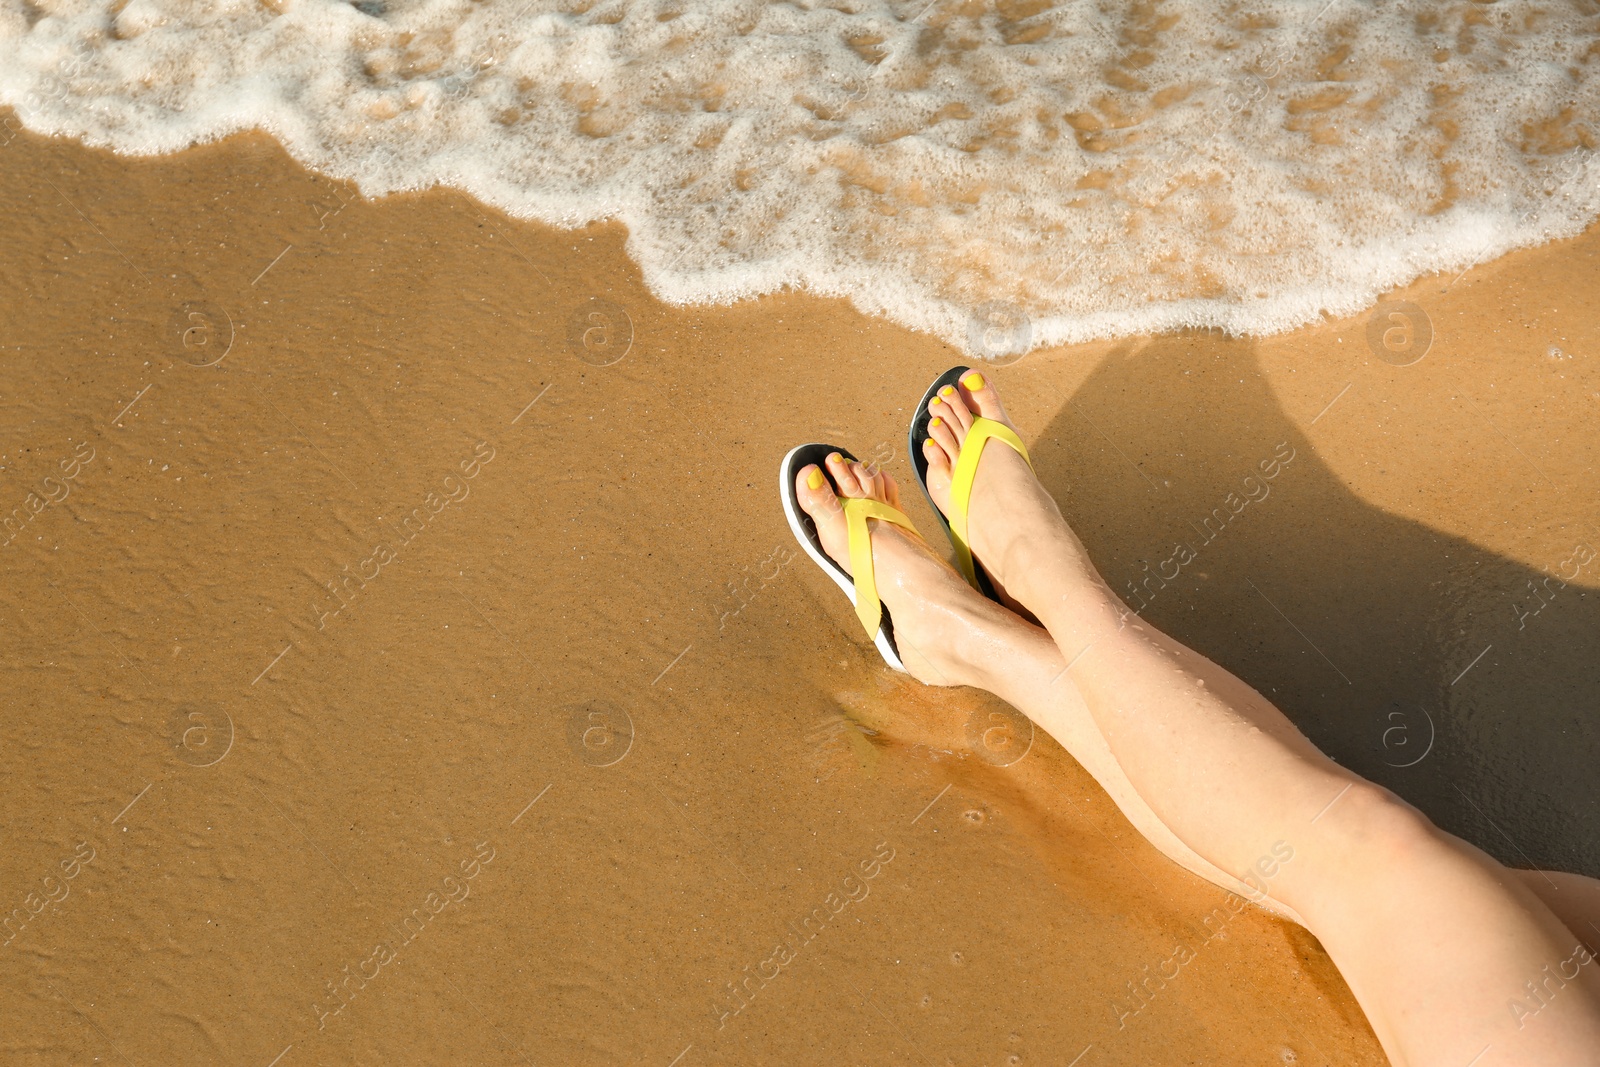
(1100, 168)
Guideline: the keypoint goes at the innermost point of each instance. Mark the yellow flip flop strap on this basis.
(979, 434)
(856, 513)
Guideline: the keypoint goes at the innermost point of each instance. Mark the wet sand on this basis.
(406, 666)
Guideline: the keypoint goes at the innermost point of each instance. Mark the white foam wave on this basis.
(1051, 172)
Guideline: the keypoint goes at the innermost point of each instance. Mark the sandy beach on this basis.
(409, 661)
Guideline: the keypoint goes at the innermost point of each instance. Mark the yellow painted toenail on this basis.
(973, 381)
(834, 457)
(948, 391)
(814, 479)
(935, 421)
(934, 401)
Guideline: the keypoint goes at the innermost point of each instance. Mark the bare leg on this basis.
(1028, 658)
(940, 622)
(1439, 943)
(1574, 898)
(1030, 662)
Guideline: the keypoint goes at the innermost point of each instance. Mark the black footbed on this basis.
(919, 463)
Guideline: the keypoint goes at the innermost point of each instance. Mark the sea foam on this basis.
(1001, 174)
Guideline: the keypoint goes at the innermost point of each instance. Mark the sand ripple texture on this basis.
(1090, 169)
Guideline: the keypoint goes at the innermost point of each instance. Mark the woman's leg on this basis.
(1029, 661)
(1574, 898)
(1442, 946)
(934, 609)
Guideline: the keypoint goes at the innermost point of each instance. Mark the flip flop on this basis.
(981, 433)
(863, 589)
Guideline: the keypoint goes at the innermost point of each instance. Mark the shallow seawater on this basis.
(1000, 175)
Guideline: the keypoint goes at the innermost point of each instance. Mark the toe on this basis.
(942, 432)
(844, 475)
(890, 489)
(938, 411)
(979, 395)
(875, 483)
(939, 472)
(815, 494)
(950, 406)
(816, 497)
(869, 478)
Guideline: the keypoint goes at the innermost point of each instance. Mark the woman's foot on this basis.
(1011, 519)
(941, 626)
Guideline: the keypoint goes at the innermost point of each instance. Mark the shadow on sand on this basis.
(1364, 627)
